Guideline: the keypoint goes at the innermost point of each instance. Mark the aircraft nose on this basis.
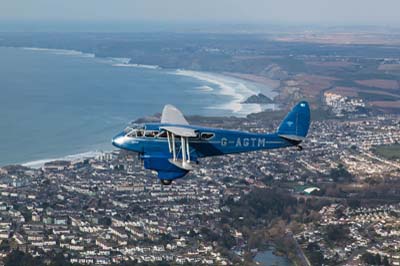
(118, 140)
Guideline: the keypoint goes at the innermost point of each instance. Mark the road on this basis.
(299, 251)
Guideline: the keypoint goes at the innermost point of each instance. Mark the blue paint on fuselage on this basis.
(223, 142)
(156, 153)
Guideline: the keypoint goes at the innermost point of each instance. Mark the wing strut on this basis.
(169, 142)
(185, 163)
(173, 147)
(188, 150)
(185, 150)
(183, 147)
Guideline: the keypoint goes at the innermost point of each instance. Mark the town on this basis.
(108, 209)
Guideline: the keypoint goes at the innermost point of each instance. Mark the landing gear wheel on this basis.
(299, 148)
(166, 182)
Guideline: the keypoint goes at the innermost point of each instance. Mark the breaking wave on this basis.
(61, 52)
(205, 88)
(114, 61)
(137, 66)
(238, 90)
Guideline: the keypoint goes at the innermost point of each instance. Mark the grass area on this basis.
(377, 97)
(291, 64)
(391, 152)
(320, 115)
(363, 88)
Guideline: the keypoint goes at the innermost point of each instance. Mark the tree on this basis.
(59, 260)
(256, 239)
(5, 245)
(227, 240)
(208, 234)
(336, 232)
(19, 258)
(341, 174)
(354, 203)
(371, 259)
(385, 261)
(314, 254)
(105, 221)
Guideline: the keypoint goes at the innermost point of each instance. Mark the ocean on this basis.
(67, 104)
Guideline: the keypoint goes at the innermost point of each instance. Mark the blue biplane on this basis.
(173, 147)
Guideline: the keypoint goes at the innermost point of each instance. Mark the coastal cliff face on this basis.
(275, 72)
(258, 99)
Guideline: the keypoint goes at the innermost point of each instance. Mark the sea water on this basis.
(57, 103)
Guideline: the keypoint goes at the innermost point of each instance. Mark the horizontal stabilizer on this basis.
(292, 138)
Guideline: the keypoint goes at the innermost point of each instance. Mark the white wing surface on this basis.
(180, 131)
(172, 115)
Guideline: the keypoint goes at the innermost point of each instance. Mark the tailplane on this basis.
(296, 123)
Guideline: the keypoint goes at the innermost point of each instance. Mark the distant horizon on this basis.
(35, 25)
(354, 12)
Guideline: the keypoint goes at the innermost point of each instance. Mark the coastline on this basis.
(238, 88)
(114, 61)
(73, 157)
(58, 51)
(232, 85)
(270, 83)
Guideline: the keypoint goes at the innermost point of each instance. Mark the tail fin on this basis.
(296, 123)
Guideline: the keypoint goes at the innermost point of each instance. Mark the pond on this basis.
(268, 258)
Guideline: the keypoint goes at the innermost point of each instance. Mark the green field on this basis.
(391, 152)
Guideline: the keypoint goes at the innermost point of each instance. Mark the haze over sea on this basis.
(56, 103)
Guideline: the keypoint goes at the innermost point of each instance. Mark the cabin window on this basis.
(151, 134)
(207, 135)
(197, 136)
(162, 134)
(134, 133)
(128, 129)
(139, 133)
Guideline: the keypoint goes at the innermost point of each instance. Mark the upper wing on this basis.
(180, 131)
(171, 115)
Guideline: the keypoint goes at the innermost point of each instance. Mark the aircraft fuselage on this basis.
(210, 141)
(172, 147)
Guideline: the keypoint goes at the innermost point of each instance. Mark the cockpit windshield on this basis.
(133, 126)
(139, 130)
(134, 130)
